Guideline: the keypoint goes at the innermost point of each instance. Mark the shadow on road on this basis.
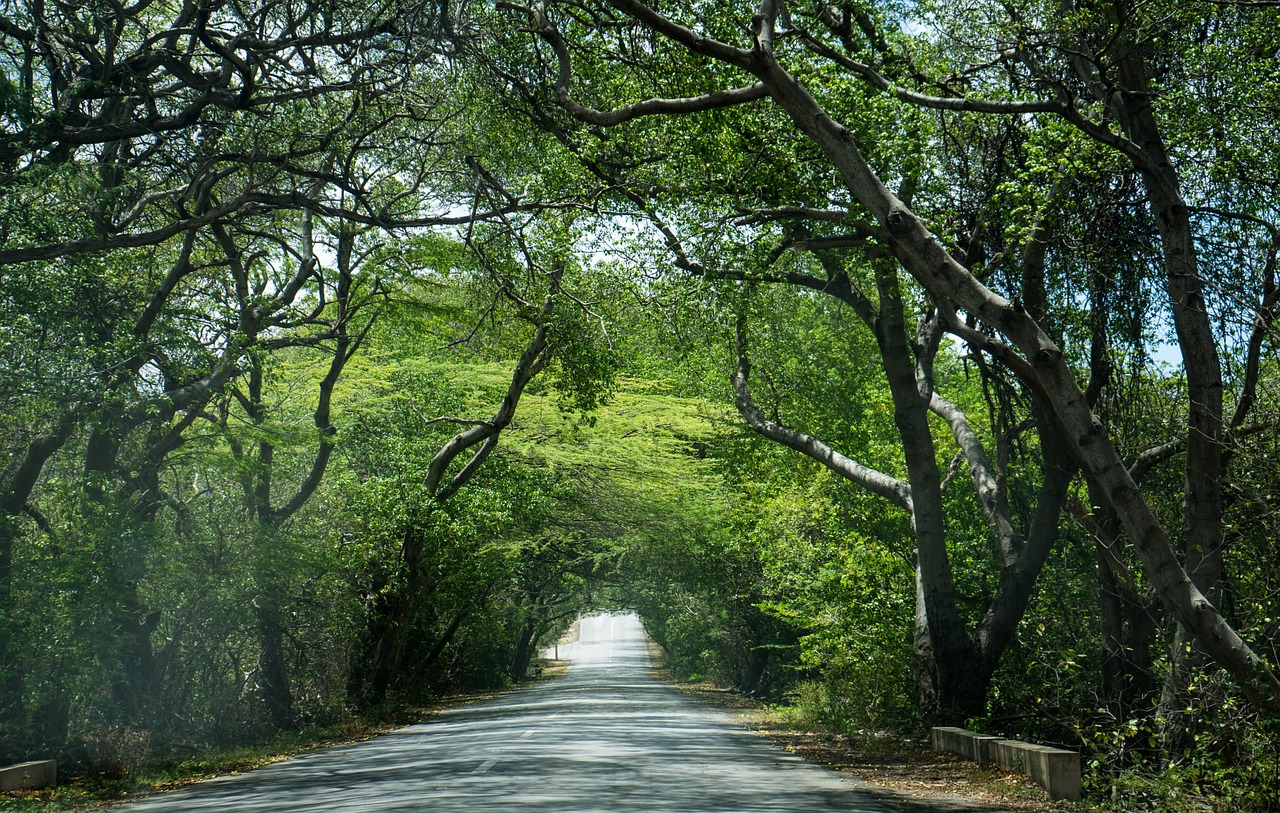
(605, 737)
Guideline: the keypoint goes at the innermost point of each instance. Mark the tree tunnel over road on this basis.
(606, 736)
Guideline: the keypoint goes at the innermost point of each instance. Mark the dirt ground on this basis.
(907, 775)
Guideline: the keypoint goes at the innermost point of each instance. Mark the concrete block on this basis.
(1054, 769)
(982, 748)
(947, 738)
(1011, 755)
(1057, 771)
(976, 747)
(29, 775)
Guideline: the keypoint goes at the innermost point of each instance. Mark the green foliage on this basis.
(1234, 764)
(853, 598)
(147, 560)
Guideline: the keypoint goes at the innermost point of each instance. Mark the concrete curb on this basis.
(1054, 769)
(29, 775)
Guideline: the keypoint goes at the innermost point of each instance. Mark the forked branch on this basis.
(891, 488)
(486, 434)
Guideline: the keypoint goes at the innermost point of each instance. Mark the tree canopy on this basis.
(348, 350)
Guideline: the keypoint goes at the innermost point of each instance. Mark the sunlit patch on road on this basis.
(606, 736)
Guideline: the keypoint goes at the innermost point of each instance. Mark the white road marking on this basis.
(484, 766)
(528, 733)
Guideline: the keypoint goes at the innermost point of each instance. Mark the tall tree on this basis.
(997, 325)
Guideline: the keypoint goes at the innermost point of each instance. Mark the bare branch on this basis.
(878, 80)
(650, 107)
(891, 488)
(792, 213)
(486, 433)
(658, 107)
(692, 40)
(23, 481)
(456, 421)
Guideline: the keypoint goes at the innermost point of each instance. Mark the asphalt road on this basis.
(606, 736)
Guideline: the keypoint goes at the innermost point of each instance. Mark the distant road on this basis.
(604, 737)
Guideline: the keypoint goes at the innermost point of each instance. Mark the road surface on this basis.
(606, 737)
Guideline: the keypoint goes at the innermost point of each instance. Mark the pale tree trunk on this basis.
(1032, 355)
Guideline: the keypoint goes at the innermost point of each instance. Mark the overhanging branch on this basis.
(891, 488)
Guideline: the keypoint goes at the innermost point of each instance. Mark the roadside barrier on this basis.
(1054, 769)
(29, 775)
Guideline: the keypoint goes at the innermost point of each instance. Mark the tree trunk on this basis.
(134, 689)
(523, 654)
(273, 673)
(384, 642)
(753, 674)
(1203, 502)
(950, 688)
(376, 658)
(757, 655)
(13, 733)
(443, 641)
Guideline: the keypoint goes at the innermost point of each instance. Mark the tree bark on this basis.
(522, 655)
(398, 600)
(1203, 496)
(1040, 364)
(944, 648)
(273, 671)
(17, 489)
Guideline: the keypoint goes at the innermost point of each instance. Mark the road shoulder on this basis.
(906, 775)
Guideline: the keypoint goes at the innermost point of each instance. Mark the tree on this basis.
(344, 311)
(396, 595)
(182, 141)
(1002, 327)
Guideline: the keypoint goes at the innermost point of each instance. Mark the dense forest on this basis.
(906, 363)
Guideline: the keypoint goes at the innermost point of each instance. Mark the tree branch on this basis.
(892, 489)
(956, 103)
(650, 107)
(531, 362)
